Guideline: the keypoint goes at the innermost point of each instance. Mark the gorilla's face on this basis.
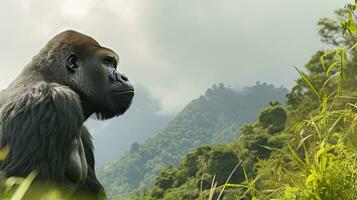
(103, 90)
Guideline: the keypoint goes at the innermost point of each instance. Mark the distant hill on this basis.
(214, 117)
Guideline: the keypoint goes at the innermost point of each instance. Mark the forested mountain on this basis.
(216, 162)
(214, 117)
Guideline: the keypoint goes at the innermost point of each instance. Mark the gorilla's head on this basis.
(79, 62)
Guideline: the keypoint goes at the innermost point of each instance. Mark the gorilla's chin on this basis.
(125, 98)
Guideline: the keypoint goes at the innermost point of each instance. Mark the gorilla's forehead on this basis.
(76, 39)
(83, 43)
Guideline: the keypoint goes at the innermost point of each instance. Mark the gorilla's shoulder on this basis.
(44, 98)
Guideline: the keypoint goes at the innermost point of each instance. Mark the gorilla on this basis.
(43, 110)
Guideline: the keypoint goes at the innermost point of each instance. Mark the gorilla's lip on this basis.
(123, 92)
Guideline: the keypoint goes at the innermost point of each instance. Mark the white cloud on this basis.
(174, 48)
(76, 9)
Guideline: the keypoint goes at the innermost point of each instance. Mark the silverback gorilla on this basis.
(43, 110)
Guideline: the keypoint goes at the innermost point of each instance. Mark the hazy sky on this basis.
(176, 49)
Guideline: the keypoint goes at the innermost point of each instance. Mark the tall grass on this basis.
(321, 162)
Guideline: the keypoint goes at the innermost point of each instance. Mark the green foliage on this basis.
(166, 178)
(196, 172)
(330, 175)
(331, 31)
(255, 144)
(273, 118)
(247, 129)
(321, 164)
(215, 163)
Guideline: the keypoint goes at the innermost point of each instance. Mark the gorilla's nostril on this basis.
(125, 78)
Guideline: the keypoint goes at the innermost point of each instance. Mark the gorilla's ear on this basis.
(72, 62)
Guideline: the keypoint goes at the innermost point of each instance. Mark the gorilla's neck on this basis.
(87, 112)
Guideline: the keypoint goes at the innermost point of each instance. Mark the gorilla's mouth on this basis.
(123, 92)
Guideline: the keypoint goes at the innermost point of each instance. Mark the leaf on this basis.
(296, 156)
(307, 81)
(331, 67)
(303, 140)
(324, 104)
(326, 83)
(343, 58)
(24, 186)
(353, 47)
(334, 125)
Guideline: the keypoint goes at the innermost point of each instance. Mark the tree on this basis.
(247, 129)
(166, 178)
(273, 118)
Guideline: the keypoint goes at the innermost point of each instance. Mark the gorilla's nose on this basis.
(120, 78)
(124, 80)
(124, 77)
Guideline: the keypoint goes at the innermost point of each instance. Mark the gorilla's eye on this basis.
(110, 61)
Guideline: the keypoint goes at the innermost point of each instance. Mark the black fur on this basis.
(33, 123)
